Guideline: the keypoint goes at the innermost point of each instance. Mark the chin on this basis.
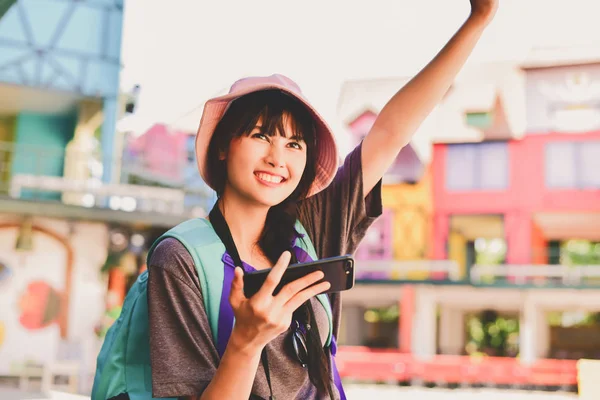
(271, 201)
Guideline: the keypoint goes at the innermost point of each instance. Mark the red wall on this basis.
(525, 195)
(534, 196)
(383, 365)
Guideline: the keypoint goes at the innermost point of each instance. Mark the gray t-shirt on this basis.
(183, 356)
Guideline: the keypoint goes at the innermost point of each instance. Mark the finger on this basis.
(292, 288)
(274, 277)
(304, 295)
(236, 295)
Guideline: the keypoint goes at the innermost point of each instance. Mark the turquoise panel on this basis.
(40, 142)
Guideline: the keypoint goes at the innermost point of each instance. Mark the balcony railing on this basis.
(449, 272)
(513, 275)
(431, 271)
(45, 174)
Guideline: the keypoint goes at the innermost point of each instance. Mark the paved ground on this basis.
(381, 392)
(13, 394)
(371, 392)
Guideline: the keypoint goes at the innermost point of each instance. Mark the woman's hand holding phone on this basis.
(262, 317)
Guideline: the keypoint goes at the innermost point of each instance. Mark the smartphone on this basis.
(339, 272)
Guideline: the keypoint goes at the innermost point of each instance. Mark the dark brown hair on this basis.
(272, 107)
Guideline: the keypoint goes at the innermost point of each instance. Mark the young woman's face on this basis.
(265, 168)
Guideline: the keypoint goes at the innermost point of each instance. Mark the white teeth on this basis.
(269, 178)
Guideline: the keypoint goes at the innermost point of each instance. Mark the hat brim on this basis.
(326, 157)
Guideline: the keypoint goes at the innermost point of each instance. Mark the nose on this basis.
(275, 156)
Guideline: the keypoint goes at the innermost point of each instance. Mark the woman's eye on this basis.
(260, 136)
(296, 145)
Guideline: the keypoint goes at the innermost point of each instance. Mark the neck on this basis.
(246, 223)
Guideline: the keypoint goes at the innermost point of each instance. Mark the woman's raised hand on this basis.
(263, 317)
(484, 10)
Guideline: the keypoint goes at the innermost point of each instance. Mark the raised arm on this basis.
(407, 109)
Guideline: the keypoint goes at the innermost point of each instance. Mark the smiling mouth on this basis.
(274, 179)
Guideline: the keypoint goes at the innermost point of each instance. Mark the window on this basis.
(479, 119)
(572, 165)
(590, 164)
(477, 166)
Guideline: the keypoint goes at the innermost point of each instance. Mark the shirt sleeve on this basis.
(183, 356)
(338, 217)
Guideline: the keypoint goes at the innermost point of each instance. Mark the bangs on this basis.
(274, 115)
(274, 123)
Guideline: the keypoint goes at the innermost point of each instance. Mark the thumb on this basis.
(237, 288)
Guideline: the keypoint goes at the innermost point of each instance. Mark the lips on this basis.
(269, 178)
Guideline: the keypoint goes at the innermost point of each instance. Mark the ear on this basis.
(221, 155)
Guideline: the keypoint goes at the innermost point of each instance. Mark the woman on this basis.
(272, 160)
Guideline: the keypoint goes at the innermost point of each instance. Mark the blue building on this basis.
(67, 211)
(59, 106)
(59, 80)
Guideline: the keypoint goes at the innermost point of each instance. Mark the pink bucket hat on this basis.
(326, 150)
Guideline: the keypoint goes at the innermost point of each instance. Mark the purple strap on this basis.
(226, 318)
(301, 255)
(225, 313)
(336, 374)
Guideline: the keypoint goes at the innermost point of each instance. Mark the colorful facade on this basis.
(59, 103)
(80, 204)
(468, 227)
(59, 66)
(506, 205)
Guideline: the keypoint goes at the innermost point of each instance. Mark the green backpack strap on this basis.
(200, 240)
(305, 244)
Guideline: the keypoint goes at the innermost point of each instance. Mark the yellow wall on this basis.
(7, 135)
(7, 128)
(412, 209)
(457, 250)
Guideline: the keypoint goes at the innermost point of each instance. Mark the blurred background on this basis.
(480, 280)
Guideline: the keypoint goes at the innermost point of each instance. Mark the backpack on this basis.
(123, 368)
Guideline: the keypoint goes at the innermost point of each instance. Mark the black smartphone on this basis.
(339, 272)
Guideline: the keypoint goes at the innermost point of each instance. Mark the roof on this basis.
(478, 88)
(364, 95)
(498, 86)
(552, 57)
(358, 96)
